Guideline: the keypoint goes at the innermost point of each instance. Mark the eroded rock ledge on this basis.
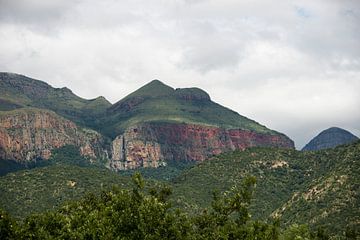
(30, 134)
(151, 144)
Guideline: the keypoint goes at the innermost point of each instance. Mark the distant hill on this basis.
(330, 138)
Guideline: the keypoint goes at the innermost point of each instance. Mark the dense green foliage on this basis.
(7, 166)
(46, 188)
(68, 154)
(318, 187)
(138, 214)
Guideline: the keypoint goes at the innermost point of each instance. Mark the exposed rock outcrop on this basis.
(151, 144)
(30, 134)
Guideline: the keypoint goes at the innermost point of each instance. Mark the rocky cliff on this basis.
(152, 144)
(30, 134)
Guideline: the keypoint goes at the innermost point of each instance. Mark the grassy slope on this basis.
(157, 102)
(18, 91)
(318, 187)
(46, 188)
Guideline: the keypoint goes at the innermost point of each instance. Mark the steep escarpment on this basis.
(158, 124)
(153, 144)
(27, 135)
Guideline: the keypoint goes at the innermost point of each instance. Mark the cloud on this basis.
(293, 67)
(34, 13)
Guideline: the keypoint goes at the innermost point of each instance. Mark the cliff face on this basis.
(31, 134)
(150, 144)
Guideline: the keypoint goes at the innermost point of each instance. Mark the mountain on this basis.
(150, 127)
(157, 123)
(320, 188)
(18, 91)
(330, 138)
(157, 102)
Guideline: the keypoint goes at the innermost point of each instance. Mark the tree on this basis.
(7, 226)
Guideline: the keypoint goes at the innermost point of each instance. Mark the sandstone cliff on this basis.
(30, 134)
(151, 144)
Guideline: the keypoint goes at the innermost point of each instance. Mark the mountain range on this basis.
(148, 128)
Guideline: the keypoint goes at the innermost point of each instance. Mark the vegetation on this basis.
(68, 154)
(318, 187)
(41, 189)
(139, 214)
(7, 166)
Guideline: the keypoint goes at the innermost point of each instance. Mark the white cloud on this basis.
(292, 65)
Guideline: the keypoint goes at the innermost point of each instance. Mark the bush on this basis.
(147, 214)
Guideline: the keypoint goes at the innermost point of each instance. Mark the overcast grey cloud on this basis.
(293, 66)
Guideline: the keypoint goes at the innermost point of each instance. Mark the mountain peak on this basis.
(155, 81)
(330, 138)
(155, 88)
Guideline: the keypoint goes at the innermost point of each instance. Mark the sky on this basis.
(293, 66)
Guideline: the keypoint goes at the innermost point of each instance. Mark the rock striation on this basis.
(28, 135)
(152, 144)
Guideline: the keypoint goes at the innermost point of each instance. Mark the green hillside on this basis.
(321, 188)
(316, 188)
(142, 213)
(18, 91)
(157, 102)
(154, 102)
(46, 188)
